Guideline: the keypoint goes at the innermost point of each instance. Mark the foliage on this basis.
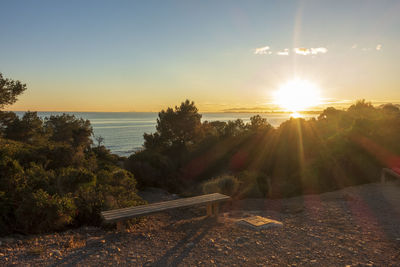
(40, 193)
(337, 149)
(175, 127)
(39, 211)
(227, 185)
(50, 175)
(9, 90)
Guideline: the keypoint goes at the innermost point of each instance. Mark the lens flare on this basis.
(297, 95)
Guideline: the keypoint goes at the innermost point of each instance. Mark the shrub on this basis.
(114, 189)
(226, 184)
(6, 214)
(253, 185)
(43, 189)
(39, 212)
(71, 179)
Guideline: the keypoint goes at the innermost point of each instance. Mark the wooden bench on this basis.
(395, 172)
(118, 215)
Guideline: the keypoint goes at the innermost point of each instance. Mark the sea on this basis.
(123, 131)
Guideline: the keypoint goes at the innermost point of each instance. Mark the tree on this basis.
(179, 126)
(67, 128)
(258, 123)
(27, 129)
(100, 140)
(9, 90)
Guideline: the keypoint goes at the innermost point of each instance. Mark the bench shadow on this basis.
(80, 254)
(175, 255)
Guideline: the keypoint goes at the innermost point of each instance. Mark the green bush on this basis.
(227, 185)
(253, 185)
(47, 187)
(70, 179)
(49, 171)
(40, 212)
(114, 189)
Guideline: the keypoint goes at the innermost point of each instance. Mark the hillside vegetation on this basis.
(51, 176)
(335, 150)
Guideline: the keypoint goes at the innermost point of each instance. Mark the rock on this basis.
(57, 253)
(8, 240)
(189, 245)
(90, 228)
(241, 240)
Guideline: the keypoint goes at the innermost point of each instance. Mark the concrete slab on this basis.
(258, 222)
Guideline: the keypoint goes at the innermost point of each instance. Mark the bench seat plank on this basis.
(131, 212)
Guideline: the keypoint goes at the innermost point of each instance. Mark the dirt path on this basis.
(357, 226)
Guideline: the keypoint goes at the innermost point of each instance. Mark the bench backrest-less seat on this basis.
(211, 200)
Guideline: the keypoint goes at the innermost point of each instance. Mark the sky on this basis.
(224, 55)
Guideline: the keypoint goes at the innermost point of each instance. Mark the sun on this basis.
(297, 95)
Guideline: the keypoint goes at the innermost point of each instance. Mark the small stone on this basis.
(190, 244)
(241, 240)
(57, 253)
(8, 240)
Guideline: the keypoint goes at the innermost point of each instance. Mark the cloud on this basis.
(302, 51)
(310, 51)
(284, 52)
(319, 50)
(262, 51)
(354, 46)
(378, 47)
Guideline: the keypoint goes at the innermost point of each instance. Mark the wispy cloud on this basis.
(378, 47)
(284, 52)
(310, 51)
(302, 51)
(266, 50)
(319, 50)
(262, 50)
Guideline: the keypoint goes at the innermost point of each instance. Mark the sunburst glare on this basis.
(297, 95)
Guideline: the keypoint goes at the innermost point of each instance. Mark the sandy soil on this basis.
(357, 226)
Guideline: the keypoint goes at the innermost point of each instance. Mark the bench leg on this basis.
(209, 209)
(215, 209)
(120, 226)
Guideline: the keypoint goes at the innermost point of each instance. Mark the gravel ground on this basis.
(357, 226)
